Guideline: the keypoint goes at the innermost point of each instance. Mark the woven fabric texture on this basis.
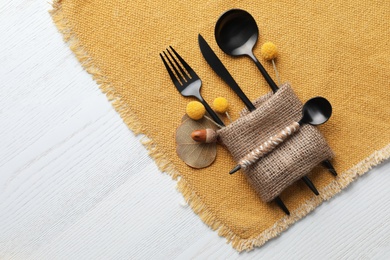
(289, 161)
(336, 49)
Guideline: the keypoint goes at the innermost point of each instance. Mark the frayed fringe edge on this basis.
(241, 244)
(121, 107)
(130, 119)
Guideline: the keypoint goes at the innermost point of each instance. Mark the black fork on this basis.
(186, 81)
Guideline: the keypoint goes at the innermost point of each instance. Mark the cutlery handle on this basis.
(243, 97)
(211, 112)
(267, 77)
(217, 65)
(328, 165)
(268, 145)
(310, 184)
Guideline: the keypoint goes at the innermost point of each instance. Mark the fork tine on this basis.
(175, 69)
(173, 77)
(186, 66)
(179, 66)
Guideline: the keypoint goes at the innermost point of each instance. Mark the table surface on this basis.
(75, 183)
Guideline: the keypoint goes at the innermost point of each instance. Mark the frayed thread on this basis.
(326, 193)
(119, 105)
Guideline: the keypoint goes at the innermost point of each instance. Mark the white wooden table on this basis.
(75, 183)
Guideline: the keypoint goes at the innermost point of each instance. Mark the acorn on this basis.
(207, 135)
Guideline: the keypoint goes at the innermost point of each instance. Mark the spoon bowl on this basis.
(236, 33)
(316, 111)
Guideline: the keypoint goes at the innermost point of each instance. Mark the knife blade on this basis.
(218, 67)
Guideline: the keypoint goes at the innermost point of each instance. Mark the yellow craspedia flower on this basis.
(195, 110)
(220, 104)
(269, 51)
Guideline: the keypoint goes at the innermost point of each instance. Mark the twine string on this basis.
(268, 145)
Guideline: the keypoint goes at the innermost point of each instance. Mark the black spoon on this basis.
(316, 111)
(236, 33)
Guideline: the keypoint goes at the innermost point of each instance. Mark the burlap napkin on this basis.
(289, 161)
(336, 49)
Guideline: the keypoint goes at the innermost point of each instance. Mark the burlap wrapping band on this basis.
(289, 161)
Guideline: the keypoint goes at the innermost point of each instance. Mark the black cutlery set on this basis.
(236, 34)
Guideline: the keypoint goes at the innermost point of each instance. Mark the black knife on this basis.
(216, 64)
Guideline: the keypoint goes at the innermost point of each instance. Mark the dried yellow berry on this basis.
(195, 110)
(220, 104)
(269, 51)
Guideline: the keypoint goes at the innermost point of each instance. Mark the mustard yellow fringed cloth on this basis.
(336, 49)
